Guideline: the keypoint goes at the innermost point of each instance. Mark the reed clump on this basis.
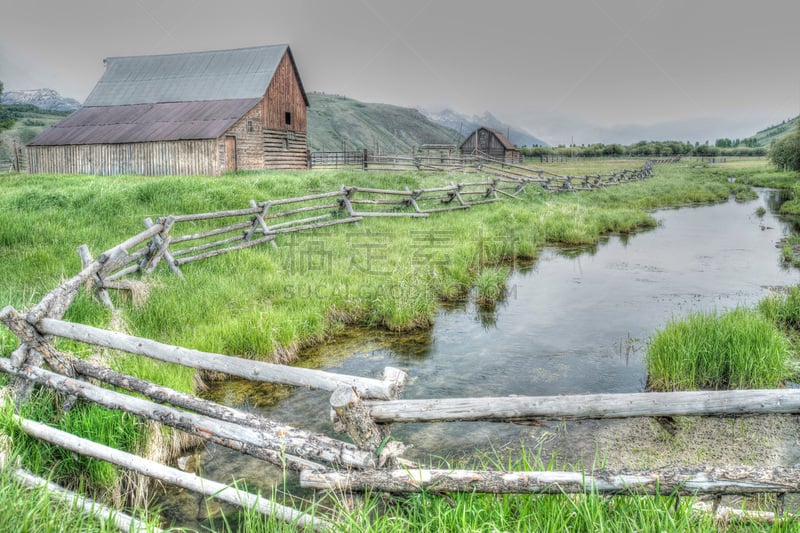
(739, 349)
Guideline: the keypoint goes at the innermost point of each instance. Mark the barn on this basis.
(199, 113)
(489, 142)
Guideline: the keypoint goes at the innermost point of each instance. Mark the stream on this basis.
(574, 321)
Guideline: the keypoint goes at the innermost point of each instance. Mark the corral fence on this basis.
(362, 408)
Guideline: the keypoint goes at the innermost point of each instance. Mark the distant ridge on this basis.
(768, 135)
(467, 124)
(41, 98)
(335, 122)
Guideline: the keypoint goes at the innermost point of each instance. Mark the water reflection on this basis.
(577, 321)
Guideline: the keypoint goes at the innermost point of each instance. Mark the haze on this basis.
(568, 71)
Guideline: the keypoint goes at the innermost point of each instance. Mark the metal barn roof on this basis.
(187, 77)
(146, 122)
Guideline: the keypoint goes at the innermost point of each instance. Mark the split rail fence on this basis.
(362, 408)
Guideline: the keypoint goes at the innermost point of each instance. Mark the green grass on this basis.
(263, 303)
(739, 349)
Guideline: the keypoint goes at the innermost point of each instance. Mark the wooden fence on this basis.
(362, 408)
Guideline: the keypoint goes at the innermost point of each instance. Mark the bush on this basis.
(785, 153)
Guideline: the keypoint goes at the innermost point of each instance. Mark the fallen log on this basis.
(683, 481)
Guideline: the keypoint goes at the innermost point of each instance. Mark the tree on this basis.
(785, 153)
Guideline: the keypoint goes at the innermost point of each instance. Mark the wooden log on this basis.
(306, 198)
(125, 260)
(348, 220)
(278, 444)
(258, 220)
(87, 506)
(683, 481)
(59, 298)
(121, 273)
(589, 406)
(162, 242)
(357, 201)
(118, 285)
(173, 476)
(330, 450)
(378, 191)
(205, 255)
(306, 209)
(130, 243)
(206, 246)
(271, 229)
(385, 214)
(350, 415)
(440, 209)
(100, 291)
(234, 366)
(34, 341)
(210, 233)
(218, 214)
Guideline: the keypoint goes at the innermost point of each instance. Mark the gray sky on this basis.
(592, 70)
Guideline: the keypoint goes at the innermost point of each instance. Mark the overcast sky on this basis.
(588, 70)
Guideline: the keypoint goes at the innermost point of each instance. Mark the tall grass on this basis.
(738, 349)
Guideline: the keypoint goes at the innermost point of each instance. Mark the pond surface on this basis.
(575, 321)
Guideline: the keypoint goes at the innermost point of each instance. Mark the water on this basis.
(576, 321)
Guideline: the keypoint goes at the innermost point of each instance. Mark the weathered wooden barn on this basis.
(491, 143)
(201, 113)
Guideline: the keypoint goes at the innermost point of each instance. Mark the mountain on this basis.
(334, 120)
(467, 124)
(766, 136)
(41, 98)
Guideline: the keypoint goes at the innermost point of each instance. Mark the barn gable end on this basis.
(489, 142)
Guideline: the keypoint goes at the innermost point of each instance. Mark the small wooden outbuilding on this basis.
(201, 113)
(489, 142)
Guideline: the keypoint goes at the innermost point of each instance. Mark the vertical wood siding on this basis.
(180, 158)
(284, 96)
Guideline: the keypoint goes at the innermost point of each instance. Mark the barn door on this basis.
(230, 153)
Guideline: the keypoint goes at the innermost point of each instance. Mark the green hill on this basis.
(766, 136)
(28, 121)
(334, 120)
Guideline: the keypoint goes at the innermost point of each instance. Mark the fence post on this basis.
(364, 160)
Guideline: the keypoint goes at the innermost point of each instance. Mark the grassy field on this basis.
(266, 304)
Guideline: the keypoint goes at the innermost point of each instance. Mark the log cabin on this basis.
(198, 113)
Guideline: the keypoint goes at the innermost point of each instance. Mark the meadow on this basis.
(266, 303)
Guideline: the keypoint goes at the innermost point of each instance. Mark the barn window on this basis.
(249, 126)
(288, 118)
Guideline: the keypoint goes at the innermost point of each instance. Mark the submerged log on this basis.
(684, 481)
(589, 406)
(170, 475)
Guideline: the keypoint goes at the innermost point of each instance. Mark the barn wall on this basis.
(150, 158)
(285, 149)
(249, 143)
(284, 95)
